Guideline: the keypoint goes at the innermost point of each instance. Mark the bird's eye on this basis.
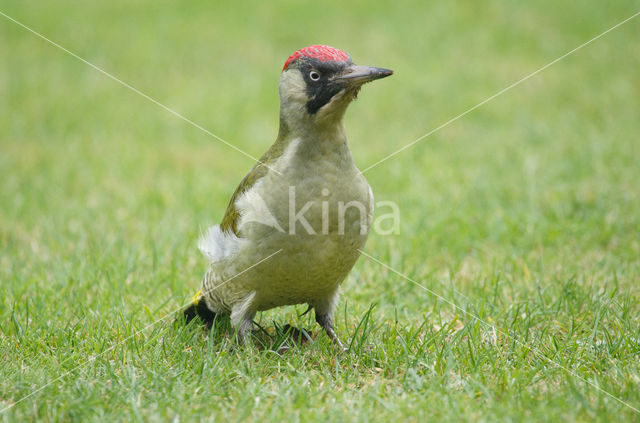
(314, 75)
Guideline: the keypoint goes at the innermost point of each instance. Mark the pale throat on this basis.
(326, 125)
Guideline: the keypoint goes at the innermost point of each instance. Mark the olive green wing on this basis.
(261, 168)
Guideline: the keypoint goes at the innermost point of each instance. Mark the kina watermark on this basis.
(326, 214)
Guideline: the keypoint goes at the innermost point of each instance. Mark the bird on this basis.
(295, 225)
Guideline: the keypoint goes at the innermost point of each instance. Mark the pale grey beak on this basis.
(358, 75)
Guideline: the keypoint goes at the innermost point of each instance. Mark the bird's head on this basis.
(317, 84)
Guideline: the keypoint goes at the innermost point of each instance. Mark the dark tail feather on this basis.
(199, 309)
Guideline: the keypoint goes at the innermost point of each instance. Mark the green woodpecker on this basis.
(294, 226)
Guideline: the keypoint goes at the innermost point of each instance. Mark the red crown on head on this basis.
(318, 52)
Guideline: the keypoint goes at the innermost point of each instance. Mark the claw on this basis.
(324, 320)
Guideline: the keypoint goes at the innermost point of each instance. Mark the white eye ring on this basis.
(315, 76)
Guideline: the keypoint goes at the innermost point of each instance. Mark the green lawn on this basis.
(524, 213)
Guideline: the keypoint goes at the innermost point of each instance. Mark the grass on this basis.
(525, 213)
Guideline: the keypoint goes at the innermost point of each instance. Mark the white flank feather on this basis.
(218, 245)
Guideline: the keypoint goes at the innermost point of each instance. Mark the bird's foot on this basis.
(326, 323)
(299, 336)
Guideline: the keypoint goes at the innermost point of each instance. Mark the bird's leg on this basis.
(324, 316)
(326, 322)
(242, 316)
(244, 329)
